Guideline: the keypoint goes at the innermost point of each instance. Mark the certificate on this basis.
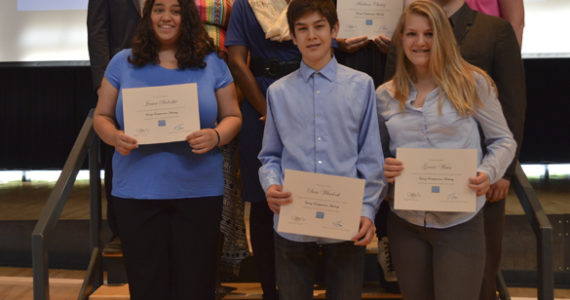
(368, 17)
(161, 114)
(323, 205)
(436, 180)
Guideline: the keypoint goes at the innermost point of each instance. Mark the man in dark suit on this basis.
(111, 25)
(490, 44)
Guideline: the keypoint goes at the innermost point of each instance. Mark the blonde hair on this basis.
(449, 70)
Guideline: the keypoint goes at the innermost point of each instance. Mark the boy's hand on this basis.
(480, 184)
(276, 197)
(365, 233)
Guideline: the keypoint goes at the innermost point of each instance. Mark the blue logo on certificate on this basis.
(368, 22)
(435, 189)
(161, 123)
(320, 215)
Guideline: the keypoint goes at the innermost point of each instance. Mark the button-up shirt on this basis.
(323, 122)
(428, 127)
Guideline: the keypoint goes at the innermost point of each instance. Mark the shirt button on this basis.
(318, 92)
(320, 162)
(319, 138)
(318, 115)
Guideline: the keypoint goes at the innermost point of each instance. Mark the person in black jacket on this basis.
(111, 25)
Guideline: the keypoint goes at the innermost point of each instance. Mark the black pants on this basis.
(260, 217)
(170, 246)
(261, 231)
(107, 153)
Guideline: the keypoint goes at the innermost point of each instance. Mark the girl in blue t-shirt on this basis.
(168, 196)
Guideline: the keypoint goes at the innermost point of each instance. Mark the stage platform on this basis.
(22, 202)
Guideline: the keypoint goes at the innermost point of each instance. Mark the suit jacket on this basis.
(490, 43)
(111, 25)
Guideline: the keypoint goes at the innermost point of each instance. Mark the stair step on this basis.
(242, 291)
(114, 265)
(111, 292)
(371, 248)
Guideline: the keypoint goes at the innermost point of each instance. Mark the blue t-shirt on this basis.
(169, 170)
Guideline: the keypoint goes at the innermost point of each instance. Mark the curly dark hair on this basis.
(193, 45)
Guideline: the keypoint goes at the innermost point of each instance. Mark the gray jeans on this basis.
(438, 264)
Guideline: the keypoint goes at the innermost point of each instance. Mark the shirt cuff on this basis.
(268, 178)
(368, 211)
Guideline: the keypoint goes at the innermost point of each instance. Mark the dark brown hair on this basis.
(299, 8)
(192, 46)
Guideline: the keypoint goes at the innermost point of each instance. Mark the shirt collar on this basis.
(328, 71)
(413, 94)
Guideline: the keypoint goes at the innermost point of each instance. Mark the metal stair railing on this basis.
(86, 144)
(543, 232)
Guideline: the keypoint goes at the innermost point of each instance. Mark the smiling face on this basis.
(313, 36)
(417, 39)
(165, 18)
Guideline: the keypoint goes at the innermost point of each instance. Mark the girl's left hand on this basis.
(480, 184)
(203, 140)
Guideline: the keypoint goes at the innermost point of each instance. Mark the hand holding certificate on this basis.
(368, 17)
(323, 205)
(161, 114)
(436, 180)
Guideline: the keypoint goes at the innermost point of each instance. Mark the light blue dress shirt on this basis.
(323, 122)
(426, 127)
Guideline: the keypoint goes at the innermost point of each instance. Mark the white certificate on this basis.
(161, 114)
(323, 205)
(368, 17)
(436, 180)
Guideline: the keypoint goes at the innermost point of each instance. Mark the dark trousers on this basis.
(261, 231)
(381, 219)
(260, 217)
(170, 246)
(107, 153)
(442, 264)
(296, 264)
(494, 215)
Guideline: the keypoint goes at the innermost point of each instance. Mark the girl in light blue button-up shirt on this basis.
(438, 100)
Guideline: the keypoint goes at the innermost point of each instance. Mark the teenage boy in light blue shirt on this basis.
(322, 119)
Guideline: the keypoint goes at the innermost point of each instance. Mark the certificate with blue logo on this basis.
(161, 114)
(436, 180)
(323, 205)
(368, 17)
